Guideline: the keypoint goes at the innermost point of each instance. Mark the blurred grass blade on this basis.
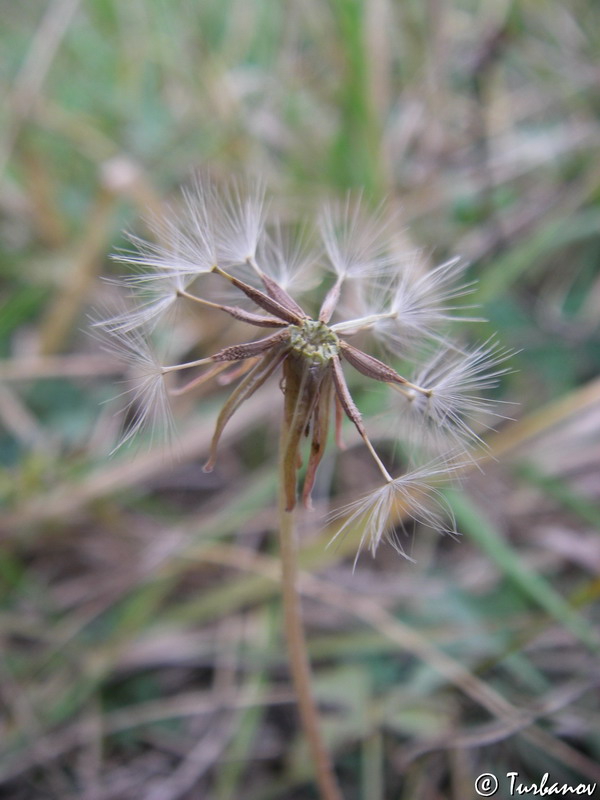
(475, 524)
(529, 255)
(229, 780)
(559, 491)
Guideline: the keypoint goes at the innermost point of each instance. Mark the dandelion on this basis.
(305, 346)
(371, 294)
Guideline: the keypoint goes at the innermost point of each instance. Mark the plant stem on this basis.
(298, 656)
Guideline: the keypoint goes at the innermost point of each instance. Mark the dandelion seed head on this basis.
(220, 238)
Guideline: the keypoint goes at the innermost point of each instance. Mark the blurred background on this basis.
(142, 650)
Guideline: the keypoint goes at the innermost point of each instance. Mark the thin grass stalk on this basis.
(296, 645)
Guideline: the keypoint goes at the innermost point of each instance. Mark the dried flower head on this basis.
(373, 292)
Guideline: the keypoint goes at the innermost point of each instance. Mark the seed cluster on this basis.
(369, 289)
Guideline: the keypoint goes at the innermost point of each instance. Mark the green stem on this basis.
(298, 654)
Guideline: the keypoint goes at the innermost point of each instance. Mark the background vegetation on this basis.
(139, 619)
